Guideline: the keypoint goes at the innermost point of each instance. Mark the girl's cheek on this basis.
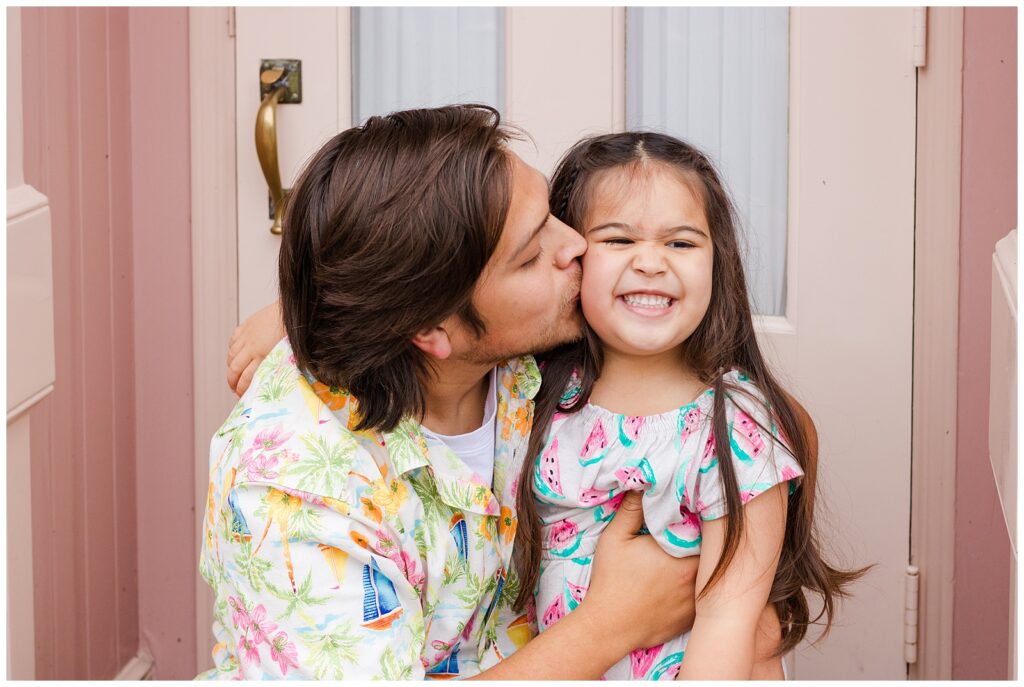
(597, 261)
(588, 257)
(591, 291)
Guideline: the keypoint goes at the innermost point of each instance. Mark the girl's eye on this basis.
(618, 242)
(681, 244)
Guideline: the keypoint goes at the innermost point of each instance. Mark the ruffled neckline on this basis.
(702, 401)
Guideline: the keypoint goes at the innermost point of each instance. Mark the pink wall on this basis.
(163, 337)
(106, 138)
(988, 212)
(76, 102)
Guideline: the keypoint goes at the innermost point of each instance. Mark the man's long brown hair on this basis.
(386, 233)
(724, 340)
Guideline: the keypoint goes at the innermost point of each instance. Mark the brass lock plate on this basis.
(274, 73)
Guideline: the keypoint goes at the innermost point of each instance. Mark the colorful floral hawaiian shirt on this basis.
(343, 554)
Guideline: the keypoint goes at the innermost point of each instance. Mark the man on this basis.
(360, 518)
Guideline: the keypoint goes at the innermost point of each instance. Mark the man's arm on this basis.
(581, 646)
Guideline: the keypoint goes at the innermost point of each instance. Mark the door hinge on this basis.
(920, 36)
(231, 22)
(910, 614)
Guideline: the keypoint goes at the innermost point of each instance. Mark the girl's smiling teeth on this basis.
(647, 301)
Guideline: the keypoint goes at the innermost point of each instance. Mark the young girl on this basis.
(670, 395)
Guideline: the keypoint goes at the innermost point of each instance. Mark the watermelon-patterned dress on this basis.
(592, 457)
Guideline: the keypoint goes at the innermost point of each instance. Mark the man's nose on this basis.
(571, 245)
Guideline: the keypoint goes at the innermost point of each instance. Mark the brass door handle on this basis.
(280, 83)
(266, 146)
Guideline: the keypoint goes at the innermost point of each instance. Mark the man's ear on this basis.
(434, 342)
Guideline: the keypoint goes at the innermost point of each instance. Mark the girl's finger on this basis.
(246, 378)
(237, 364)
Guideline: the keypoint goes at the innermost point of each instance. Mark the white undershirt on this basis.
(476, 448)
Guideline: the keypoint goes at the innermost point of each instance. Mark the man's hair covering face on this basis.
(385, 234)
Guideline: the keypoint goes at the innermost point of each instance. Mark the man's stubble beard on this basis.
(568, 329)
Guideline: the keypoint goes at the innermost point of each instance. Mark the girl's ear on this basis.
(434, 342)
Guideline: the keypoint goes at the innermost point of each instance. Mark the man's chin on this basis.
(567, 329)
(570, 333)
(574, 337)
(550, 341)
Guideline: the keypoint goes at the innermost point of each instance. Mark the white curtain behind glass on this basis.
(719, 79)
(425, 57)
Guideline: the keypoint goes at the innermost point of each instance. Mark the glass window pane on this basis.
(406, 57)
(719, 79)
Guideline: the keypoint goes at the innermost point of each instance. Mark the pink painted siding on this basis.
(106, 138)
(83, 437)
(988, 211)
(124, 343)
(168, 548)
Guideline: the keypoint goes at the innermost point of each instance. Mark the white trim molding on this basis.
(23, 199)
(1002, 422)
(214, 256)
(936, 303)
(139, 667)
(16, 412)
(30, 345)
(31, 361)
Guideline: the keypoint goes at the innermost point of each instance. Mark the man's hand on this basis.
(250, 343)
(648, 594)
(651, 592)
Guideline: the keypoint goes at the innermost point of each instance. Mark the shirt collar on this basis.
(408, 450)
(526, 376)
(519, 380)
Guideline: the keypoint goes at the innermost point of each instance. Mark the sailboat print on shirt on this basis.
(460, 533)
(447, 668)
(239, 527)
(380, 601)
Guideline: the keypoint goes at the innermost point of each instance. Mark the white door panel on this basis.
(310, 35)
(564, 77)
(850, 307)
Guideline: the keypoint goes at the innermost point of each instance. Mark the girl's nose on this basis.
(648, 260)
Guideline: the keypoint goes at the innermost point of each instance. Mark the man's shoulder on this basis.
(286, 433)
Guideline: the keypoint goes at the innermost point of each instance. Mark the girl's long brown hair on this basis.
(724, 340)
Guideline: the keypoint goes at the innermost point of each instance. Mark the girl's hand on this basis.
(639, 592)
(250, 343)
